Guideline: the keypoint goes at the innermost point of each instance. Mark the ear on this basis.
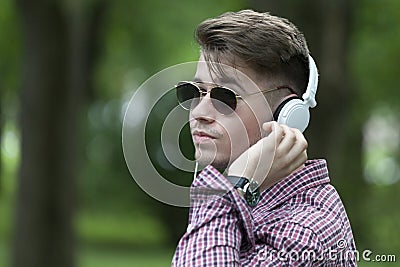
(294, 113)
(282, 104)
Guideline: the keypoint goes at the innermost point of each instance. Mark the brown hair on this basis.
(270, 45)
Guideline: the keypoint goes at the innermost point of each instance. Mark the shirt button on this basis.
(189, 228)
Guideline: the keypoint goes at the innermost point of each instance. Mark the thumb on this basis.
(269, 127)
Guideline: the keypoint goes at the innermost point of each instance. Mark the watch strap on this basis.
(249, 189)
(237, 181)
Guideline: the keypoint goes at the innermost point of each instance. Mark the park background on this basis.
(68, 69)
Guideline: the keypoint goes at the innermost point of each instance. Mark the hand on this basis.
(273, 157)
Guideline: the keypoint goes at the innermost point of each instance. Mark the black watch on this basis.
(249, 189)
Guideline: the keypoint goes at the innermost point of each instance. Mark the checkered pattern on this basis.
(300, 221)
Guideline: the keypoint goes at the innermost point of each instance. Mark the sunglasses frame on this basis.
(203, 93)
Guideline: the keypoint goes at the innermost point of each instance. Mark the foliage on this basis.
(139, 39)
(374, 62)
(10, 46)
(375, 52)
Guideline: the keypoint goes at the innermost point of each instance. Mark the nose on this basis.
(204, 111)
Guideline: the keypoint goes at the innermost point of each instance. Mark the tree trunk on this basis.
(1, 131)
(44, 233)
(57, 68)
(1, 135)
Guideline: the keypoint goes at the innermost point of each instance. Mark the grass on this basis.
(107, 240)
(4, 253)
(119, 229)
(91, 257)
(106, 257)
(125, 232)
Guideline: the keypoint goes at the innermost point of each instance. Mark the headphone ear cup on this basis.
(293, 113)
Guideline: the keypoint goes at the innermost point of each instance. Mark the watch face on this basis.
(252, 194)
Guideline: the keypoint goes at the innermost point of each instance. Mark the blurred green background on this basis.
(68, 70)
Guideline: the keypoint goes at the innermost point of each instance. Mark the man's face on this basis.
(219, 139)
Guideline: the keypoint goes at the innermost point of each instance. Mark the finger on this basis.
(268, 127)
(288, 141)
(278, 133)
(301, 145)
(278, 151)
(301, 142)
(262, 154)
(289, 168)
(298, 161)
(291, 153)
(298, 153)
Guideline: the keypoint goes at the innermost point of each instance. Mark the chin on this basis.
(220, 165)
(205, 159)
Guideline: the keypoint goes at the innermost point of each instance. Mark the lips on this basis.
(200, 136)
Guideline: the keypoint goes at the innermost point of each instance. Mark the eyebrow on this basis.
(226, 81)
(197, 80)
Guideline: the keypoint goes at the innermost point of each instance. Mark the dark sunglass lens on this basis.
(187, 94)
(224, 100)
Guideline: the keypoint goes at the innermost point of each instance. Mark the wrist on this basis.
(239, 173)
(248, 189)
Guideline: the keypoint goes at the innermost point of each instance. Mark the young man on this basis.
(258, 202)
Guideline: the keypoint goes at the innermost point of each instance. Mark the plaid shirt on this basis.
(299, 221)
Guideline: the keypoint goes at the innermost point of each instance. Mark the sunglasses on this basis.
(223, 99)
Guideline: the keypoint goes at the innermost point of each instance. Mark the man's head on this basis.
(267, 50)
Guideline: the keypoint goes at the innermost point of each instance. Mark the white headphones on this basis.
(294, 111)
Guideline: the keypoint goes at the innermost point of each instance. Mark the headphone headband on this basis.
(309, 95)
(294, 112)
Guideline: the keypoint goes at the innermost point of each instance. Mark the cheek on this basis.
(253, 133)
(252, 126)
(239, 135)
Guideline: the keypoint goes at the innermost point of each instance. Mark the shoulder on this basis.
(315, 204)
(321, 210)
(315, 217)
